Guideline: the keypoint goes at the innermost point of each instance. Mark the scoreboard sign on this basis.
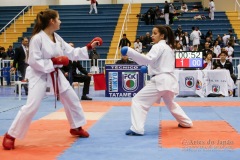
(123, 80)
(188, 59)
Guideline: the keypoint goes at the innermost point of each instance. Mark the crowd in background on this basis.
(221, 47)
(7, 55)
(184, 41)
(168, 13)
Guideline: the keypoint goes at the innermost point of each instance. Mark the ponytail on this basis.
(170, 37)
(38, 25)
(42, 20)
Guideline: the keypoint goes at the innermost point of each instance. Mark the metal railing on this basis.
(100, 65)
(124, 27)
(235, 63)
(7, 77)
(3, 30)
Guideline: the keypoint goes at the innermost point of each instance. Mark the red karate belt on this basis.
(55, 84)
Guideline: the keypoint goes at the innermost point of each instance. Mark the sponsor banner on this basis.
(130, 81)
(123, 80)
(113, 81)
(187, 81)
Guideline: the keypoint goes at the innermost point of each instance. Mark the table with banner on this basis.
(123, 80)
(204, 82)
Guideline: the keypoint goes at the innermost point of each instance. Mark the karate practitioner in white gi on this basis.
(93, 5)
(45, 56)
(163, 83)
(195, 36)
(211, 9)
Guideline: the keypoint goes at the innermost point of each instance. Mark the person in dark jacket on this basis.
(150, 16)
(3, 54)
(71, 74)
(147, 42)
(10, 52)
(125, 60)
(124, 41)
(223, 63)
(21, 58)
(166, 12)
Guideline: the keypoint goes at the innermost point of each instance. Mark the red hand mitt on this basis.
(61, 60)
(99, 39)
(94, 39)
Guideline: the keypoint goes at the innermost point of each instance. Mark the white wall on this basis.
(27, 2)
(78, 2)
(69, 2)
(141, 1)
(221, 5)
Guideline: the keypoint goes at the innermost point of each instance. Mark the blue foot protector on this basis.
(131, 133)
(124, 50)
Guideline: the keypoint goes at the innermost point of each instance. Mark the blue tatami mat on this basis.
(109, 142)
(231, 115)
(9, 109)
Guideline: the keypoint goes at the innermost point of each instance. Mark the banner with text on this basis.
(123, 80)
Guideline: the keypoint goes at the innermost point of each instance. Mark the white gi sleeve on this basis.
(73, 53)
(149, 58)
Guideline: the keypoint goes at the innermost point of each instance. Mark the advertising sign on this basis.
(123, 80)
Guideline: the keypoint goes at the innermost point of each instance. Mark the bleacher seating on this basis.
(8, 13)
(80, 27)
(236, 51)
(219, 26)
(191, 5)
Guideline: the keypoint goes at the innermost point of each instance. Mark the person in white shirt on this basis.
(216, 48)
(184, 7)
(230, 51)
(47, 53)
(211, 9)
(138, 45)
(177, 38)
(225, 39)
(195, 36)
(163, 84)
